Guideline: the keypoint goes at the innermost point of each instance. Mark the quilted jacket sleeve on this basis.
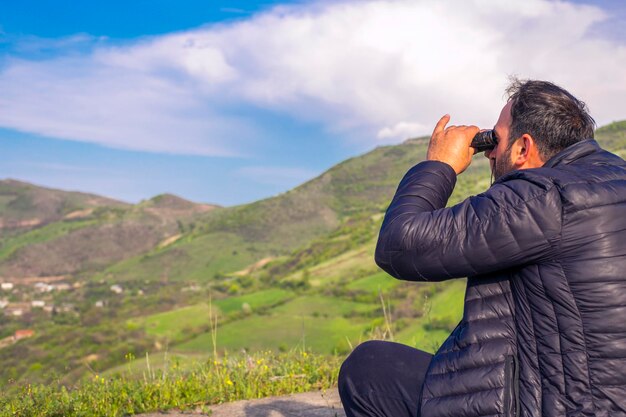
(516, 222)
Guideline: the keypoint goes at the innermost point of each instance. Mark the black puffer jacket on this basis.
(544, 326)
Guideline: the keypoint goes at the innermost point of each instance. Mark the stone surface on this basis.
(308, 404)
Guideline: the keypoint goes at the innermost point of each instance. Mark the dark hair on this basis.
(552, 116)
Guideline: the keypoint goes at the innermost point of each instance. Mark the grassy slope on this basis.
(39, 235)
(190, 259)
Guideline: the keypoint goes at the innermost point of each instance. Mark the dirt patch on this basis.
(34, 280)
(308, 404)
(169, 240)
(254, 267)
(14, 224)
(79, 214)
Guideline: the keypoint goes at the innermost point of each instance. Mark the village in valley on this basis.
(31, 307)
(26, 302)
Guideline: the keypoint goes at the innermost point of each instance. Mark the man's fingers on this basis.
(471, 130)
(469, 127)
(441, 124)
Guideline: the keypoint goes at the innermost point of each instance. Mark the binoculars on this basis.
(484, 141)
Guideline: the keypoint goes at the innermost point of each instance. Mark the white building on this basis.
(38, 303)
(117, 289)
(43, 287)
(66, 308)
(6, 286)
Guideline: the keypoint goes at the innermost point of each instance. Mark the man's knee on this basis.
(379, 363)
(381, 378)
(361, 365)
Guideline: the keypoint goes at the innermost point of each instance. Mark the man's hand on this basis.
(452, 144)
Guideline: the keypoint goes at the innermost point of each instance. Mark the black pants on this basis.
(383, 379)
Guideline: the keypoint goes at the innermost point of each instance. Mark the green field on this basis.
(315, 322)
(274, 320)
(254, 301)
(331, 325)
(176, 324)
(282, 332)
(381, 281)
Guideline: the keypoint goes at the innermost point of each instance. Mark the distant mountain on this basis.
(25, 206)
(173, 202)
(57, 233)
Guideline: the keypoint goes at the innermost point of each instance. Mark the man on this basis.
(544, 249)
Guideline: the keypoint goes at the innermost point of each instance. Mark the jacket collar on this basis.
(573, 152)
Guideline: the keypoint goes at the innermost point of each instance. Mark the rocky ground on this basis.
(308, 404)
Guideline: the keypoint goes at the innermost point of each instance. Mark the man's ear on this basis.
(523, 148)
(525, 153)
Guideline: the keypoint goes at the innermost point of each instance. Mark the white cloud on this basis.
(374, 70)
(401, 130)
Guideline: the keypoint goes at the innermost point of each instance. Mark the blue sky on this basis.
(230, 102)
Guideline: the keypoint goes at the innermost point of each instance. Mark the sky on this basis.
(228, 102)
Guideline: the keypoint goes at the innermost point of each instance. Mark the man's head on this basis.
(539, 120)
